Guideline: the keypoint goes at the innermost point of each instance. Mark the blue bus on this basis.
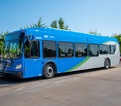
(45, 52)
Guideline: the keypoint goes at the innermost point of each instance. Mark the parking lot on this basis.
(95, 87)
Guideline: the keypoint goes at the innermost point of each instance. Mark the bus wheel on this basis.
(48, 71)
(107, 64)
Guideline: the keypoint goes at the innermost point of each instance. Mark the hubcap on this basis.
(107, 64)
(49, 71)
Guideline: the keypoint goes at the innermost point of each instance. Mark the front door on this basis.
(32, 68)
(32, 61)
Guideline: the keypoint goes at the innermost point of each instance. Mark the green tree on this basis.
(118, 37)
(39, 24)
(2, 36)
(94, 32)
(60, 24)
(54, 24)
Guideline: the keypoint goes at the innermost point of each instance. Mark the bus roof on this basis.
(45, 33)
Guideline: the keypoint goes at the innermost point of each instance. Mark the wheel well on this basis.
(55, 67)
(109, 61)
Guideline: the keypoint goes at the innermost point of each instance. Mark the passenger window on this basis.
(35, 49)
(80, 50)
(103, 49)
(32, 50)
(49, 49)
(93, 50)
(27, 52)
(112, 49)
(65, 49)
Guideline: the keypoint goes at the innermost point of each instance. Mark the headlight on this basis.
(18, 66)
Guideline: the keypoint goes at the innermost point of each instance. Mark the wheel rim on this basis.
(107, 64)
(49, 71)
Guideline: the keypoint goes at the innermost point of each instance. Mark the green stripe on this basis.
(78, 64)
(106, 42)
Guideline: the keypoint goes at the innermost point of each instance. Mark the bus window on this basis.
(103, 49)
(80, 50)
(112, 49)
(27, 51)
(32, 51)
(65, 49)
(35, 49)
(93, 50)
(49, 49)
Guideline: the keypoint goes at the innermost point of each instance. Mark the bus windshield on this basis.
(12, 48)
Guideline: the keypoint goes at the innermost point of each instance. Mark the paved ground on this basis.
(96, 87)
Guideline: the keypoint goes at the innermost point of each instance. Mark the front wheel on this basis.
(107, 64)
(48, 71)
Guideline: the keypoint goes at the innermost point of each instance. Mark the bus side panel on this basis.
(32, 68)
(65, 64)
(68, 64)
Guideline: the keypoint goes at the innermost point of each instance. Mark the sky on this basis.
(80, 15)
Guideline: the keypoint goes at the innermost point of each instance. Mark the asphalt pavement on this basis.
(95, 87)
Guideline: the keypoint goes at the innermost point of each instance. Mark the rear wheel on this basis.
(48, 71)
(107, 64)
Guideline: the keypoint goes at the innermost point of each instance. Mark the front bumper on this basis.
(14, 74)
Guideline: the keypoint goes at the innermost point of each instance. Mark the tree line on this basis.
(59, 24)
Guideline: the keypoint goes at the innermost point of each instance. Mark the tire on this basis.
(48, 71)
(107, 64)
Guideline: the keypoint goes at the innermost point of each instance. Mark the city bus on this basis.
(45, 52)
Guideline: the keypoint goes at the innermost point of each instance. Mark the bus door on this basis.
(32, 61)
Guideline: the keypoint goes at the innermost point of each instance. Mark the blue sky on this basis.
(80, 15)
